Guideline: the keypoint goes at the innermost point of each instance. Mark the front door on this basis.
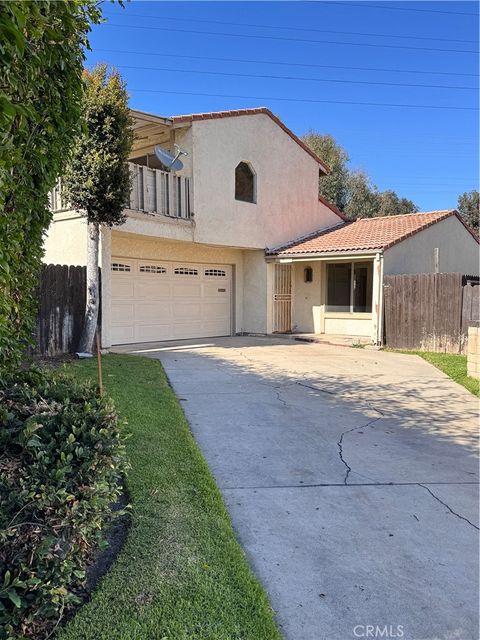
(282, 299)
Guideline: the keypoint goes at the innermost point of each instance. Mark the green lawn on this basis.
(455, 366)
(182, 574)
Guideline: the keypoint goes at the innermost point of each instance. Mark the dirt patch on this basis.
(50, 362)
(116, 536)
(102, 559)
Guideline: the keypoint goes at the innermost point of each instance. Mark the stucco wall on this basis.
(256, 292)
(348, 326)
(66, 241)
(307, 298)
(458, 251)
(287, 184)
(158, 226)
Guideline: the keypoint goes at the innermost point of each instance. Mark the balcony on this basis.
(160, 192)
(153, 191)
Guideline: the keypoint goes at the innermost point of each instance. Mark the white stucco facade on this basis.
(66, 240)
(204, 224)
(220, 230)
(287, 204)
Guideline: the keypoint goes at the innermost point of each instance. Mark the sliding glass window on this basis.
(349, 287)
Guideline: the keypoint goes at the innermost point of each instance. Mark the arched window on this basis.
(245, 183)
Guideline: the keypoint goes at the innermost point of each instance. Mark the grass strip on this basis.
(181, 574)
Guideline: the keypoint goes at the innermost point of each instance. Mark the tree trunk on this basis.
(91, 310)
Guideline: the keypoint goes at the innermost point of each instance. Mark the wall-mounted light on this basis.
(308, 274)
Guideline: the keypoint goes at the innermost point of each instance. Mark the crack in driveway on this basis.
(341, 452)
(447, 506)
(370, 423)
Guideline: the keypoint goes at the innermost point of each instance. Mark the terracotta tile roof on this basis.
(195, 117)
(366, 234)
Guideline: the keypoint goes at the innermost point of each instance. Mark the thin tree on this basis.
(97, 179)
(468, 206)
(352, 190)
(333, 186)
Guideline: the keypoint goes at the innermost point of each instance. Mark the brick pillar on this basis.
(473, 352)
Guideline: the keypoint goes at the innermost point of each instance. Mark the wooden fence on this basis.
(61, 309)
(430, 311)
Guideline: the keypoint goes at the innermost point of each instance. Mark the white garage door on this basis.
(154, 300)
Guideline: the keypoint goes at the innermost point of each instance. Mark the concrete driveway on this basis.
(351, 478)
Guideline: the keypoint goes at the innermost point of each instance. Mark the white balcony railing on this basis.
(153, 191)
(160, 192)
(55, 198)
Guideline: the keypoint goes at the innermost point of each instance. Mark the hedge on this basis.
(61, 466)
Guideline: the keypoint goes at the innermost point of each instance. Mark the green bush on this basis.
(61, 462)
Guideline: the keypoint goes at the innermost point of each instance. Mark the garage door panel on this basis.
(149, 332)
(217, 310)
(187, 289)
(156, 312)
(152, 289)
(123, 334)
(122, 288)
(166, 301)
(186, 310)
(123, 313)
(216, 290)
(191, 329)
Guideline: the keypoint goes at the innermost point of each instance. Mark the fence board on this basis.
(61, 309)
(429, 311)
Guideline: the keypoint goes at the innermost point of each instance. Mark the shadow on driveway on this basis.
(351, 477)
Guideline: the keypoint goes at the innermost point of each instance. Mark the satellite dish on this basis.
(168, 160)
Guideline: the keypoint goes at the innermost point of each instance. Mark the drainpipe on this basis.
(377, 287)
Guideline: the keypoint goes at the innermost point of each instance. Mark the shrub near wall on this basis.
(62, 458)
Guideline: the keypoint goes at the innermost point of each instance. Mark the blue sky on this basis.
(427, 154)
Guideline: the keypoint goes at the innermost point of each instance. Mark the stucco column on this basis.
(377, 299)
(105, 259)
(269, 294)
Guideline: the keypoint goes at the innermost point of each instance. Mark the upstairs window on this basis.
(245, 183)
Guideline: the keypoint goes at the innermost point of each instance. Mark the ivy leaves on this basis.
(41, 47)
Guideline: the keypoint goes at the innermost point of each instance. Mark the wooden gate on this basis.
(282, 299)
(61, 309)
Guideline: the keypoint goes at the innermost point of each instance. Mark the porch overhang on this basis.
(323, 257)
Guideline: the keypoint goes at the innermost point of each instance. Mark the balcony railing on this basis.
(161, 192)
(153, 191)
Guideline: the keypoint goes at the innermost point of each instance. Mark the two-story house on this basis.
(238, 241)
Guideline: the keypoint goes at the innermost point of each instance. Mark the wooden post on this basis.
(99, 362)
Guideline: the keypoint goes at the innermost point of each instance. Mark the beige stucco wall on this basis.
(287, 184)
(66, 240)
(307, 298)
(257, 293)
(158, 226)
(473, 352)
(458, 251)
(348, 326)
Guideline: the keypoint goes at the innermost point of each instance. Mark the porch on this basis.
(338, 296)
